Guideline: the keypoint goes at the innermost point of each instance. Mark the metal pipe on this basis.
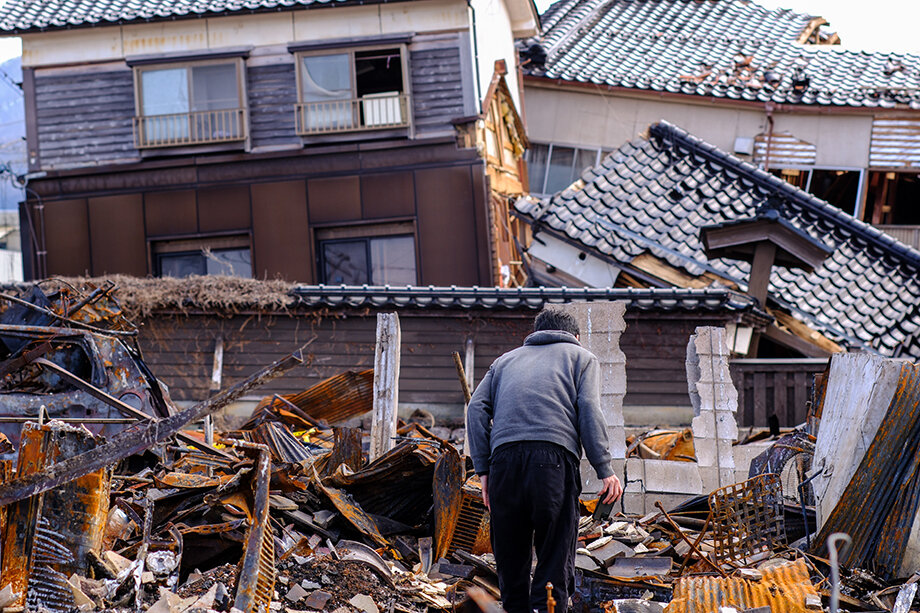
(832, 541)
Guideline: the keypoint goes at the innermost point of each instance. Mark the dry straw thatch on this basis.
(140, 297)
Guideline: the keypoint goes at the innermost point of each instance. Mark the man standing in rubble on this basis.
(527, 421)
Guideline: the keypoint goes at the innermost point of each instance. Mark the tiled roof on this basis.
(638, 299)
(653, 195)
(723, 48)
(25, 15)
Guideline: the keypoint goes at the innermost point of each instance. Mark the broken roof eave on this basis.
(817, 349)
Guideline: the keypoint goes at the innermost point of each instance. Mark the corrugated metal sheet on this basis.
(785, 151)
(783, 589)
(895, 143)
(885, 487)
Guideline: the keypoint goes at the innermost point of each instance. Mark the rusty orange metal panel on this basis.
(472, 533)
(48, 536)
(785, 589)
(334, 400)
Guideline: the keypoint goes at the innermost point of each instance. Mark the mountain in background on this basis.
(12, 130)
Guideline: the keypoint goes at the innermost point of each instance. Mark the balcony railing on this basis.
(371, 112)
(909, 235)
(224, 125)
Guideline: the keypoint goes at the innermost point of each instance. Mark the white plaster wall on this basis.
(494, 41)
(601, 119)
(110, 43)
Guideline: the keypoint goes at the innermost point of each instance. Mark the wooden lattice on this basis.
(747, 519)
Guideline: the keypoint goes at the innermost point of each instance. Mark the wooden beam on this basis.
(386, 384)
(764, 254)
(469, 364)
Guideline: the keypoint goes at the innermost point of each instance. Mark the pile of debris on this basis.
(111, 498)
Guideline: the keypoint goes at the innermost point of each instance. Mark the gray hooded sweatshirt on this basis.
(546, 390)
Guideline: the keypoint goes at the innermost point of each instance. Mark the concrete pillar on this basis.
(715, 402)
(601, 325)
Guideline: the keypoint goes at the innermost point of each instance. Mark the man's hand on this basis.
(484, 479)
(609, 493)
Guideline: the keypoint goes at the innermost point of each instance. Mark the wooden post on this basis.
(386, 384)
(217, 374)
(469, 365)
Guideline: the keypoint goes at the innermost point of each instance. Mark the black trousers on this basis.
(533, 494)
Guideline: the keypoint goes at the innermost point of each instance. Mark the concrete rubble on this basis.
(287, 512)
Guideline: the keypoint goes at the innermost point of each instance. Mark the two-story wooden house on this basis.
(321, 142)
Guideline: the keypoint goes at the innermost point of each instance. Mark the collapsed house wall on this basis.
(860, 387)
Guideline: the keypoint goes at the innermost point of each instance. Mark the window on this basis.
(229, 256)
(189, 104)
(553, 168)
(351, 90)
(838, 187)
(375, 255)
(891, 199)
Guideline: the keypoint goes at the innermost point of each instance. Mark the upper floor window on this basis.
(552, 168)
(344, 91)
(189, 104)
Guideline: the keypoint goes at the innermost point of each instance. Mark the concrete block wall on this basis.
(601, 325)
(715, 401)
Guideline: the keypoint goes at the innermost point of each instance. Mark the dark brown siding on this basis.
(66, 227)
(437, 89)
(116, 229)
(447, 227)
(180, 348)
(388, 195)
(171, 213)
(774, 387)
(224, 208)
(85, 118)
(334, 199)
(272, 95)
(656, 354)
(280, 231)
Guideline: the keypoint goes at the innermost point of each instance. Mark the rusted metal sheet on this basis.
(448, 499)
(784, 589)
(137, 438)
(885, 487)
(353, 513)
(895, 143)
(49, 536)
(472, 533)
(337, 399)
(257, 568)
(747, 519)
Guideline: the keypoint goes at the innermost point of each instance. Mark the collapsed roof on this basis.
(720, 48)
(652, 197)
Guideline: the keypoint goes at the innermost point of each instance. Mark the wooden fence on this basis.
(774, 386)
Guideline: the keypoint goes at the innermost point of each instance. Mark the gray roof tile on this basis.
(723, 48)
(863, 295)
(31, 15)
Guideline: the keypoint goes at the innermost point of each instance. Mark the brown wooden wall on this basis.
(780, 387)
(179, 349)
(106, 223)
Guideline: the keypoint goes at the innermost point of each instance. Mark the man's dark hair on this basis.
(553, 319)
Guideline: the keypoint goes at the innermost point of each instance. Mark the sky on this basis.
(876, 25)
